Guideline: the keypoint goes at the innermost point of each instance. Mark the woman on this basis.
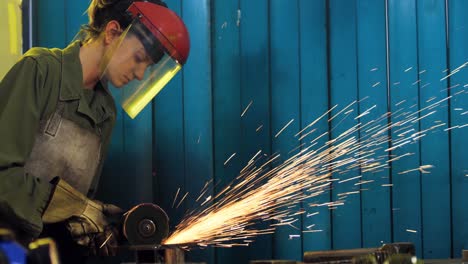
(57, 115)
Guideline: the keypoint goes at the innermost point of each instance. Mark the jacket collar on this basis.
(72, 83)
(72, 73)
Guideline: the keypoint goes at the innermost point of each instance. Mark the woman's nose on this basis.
(140, 72)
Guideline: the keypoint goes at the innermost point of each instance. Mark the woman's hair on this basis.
(100, 12)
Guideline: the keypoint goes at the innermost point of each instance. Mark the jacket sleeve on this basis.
(23, 97)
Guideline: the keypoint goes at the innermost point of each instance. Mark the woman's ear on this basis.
(112, 32)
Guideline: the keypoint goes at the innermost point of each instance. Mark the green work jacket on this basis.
(30, 93)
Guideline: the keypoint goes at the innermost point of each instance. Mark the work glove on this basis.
(96, 228)
(90, 222)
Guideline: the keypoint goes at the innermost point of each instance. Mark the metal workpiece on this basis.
(361, 255)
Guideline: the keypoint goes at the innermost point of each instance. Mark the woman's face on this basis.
(128, 62)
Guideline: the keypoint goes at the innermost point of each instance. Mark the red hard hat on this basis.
(166, 26)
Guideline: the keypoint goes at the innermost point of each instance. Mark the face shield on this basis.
(143, 60)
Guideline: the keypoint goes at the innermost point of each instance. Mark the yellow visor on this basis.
(137, 94)
(140, 66)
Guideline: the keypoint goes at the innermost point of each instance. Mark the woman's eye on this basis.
(138, 58)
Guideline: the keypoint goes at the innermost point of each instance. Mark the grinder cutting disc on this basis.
(146, 224)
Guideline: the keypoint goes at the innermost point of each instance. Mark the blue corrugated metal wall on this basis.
(287, 60)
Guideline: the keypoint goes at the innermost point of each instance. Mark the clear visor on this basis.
(140, 66)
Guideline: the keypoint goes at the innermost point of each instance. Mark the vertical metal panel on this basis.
(75, 16)
(114, 169)
(346, 219)
(314, 103)
(138, 141)
(458, 43)
(404, 98)
(129, 160)
(27, 18)
(255, 123)
(198, 107)
(372, 76)
(169, 157)
(168, 131)
(226, 106)
(285, 100)
(435, 186)
(50, 30)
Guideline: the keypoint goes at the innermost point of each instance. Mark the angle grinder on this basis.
(145, 224)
